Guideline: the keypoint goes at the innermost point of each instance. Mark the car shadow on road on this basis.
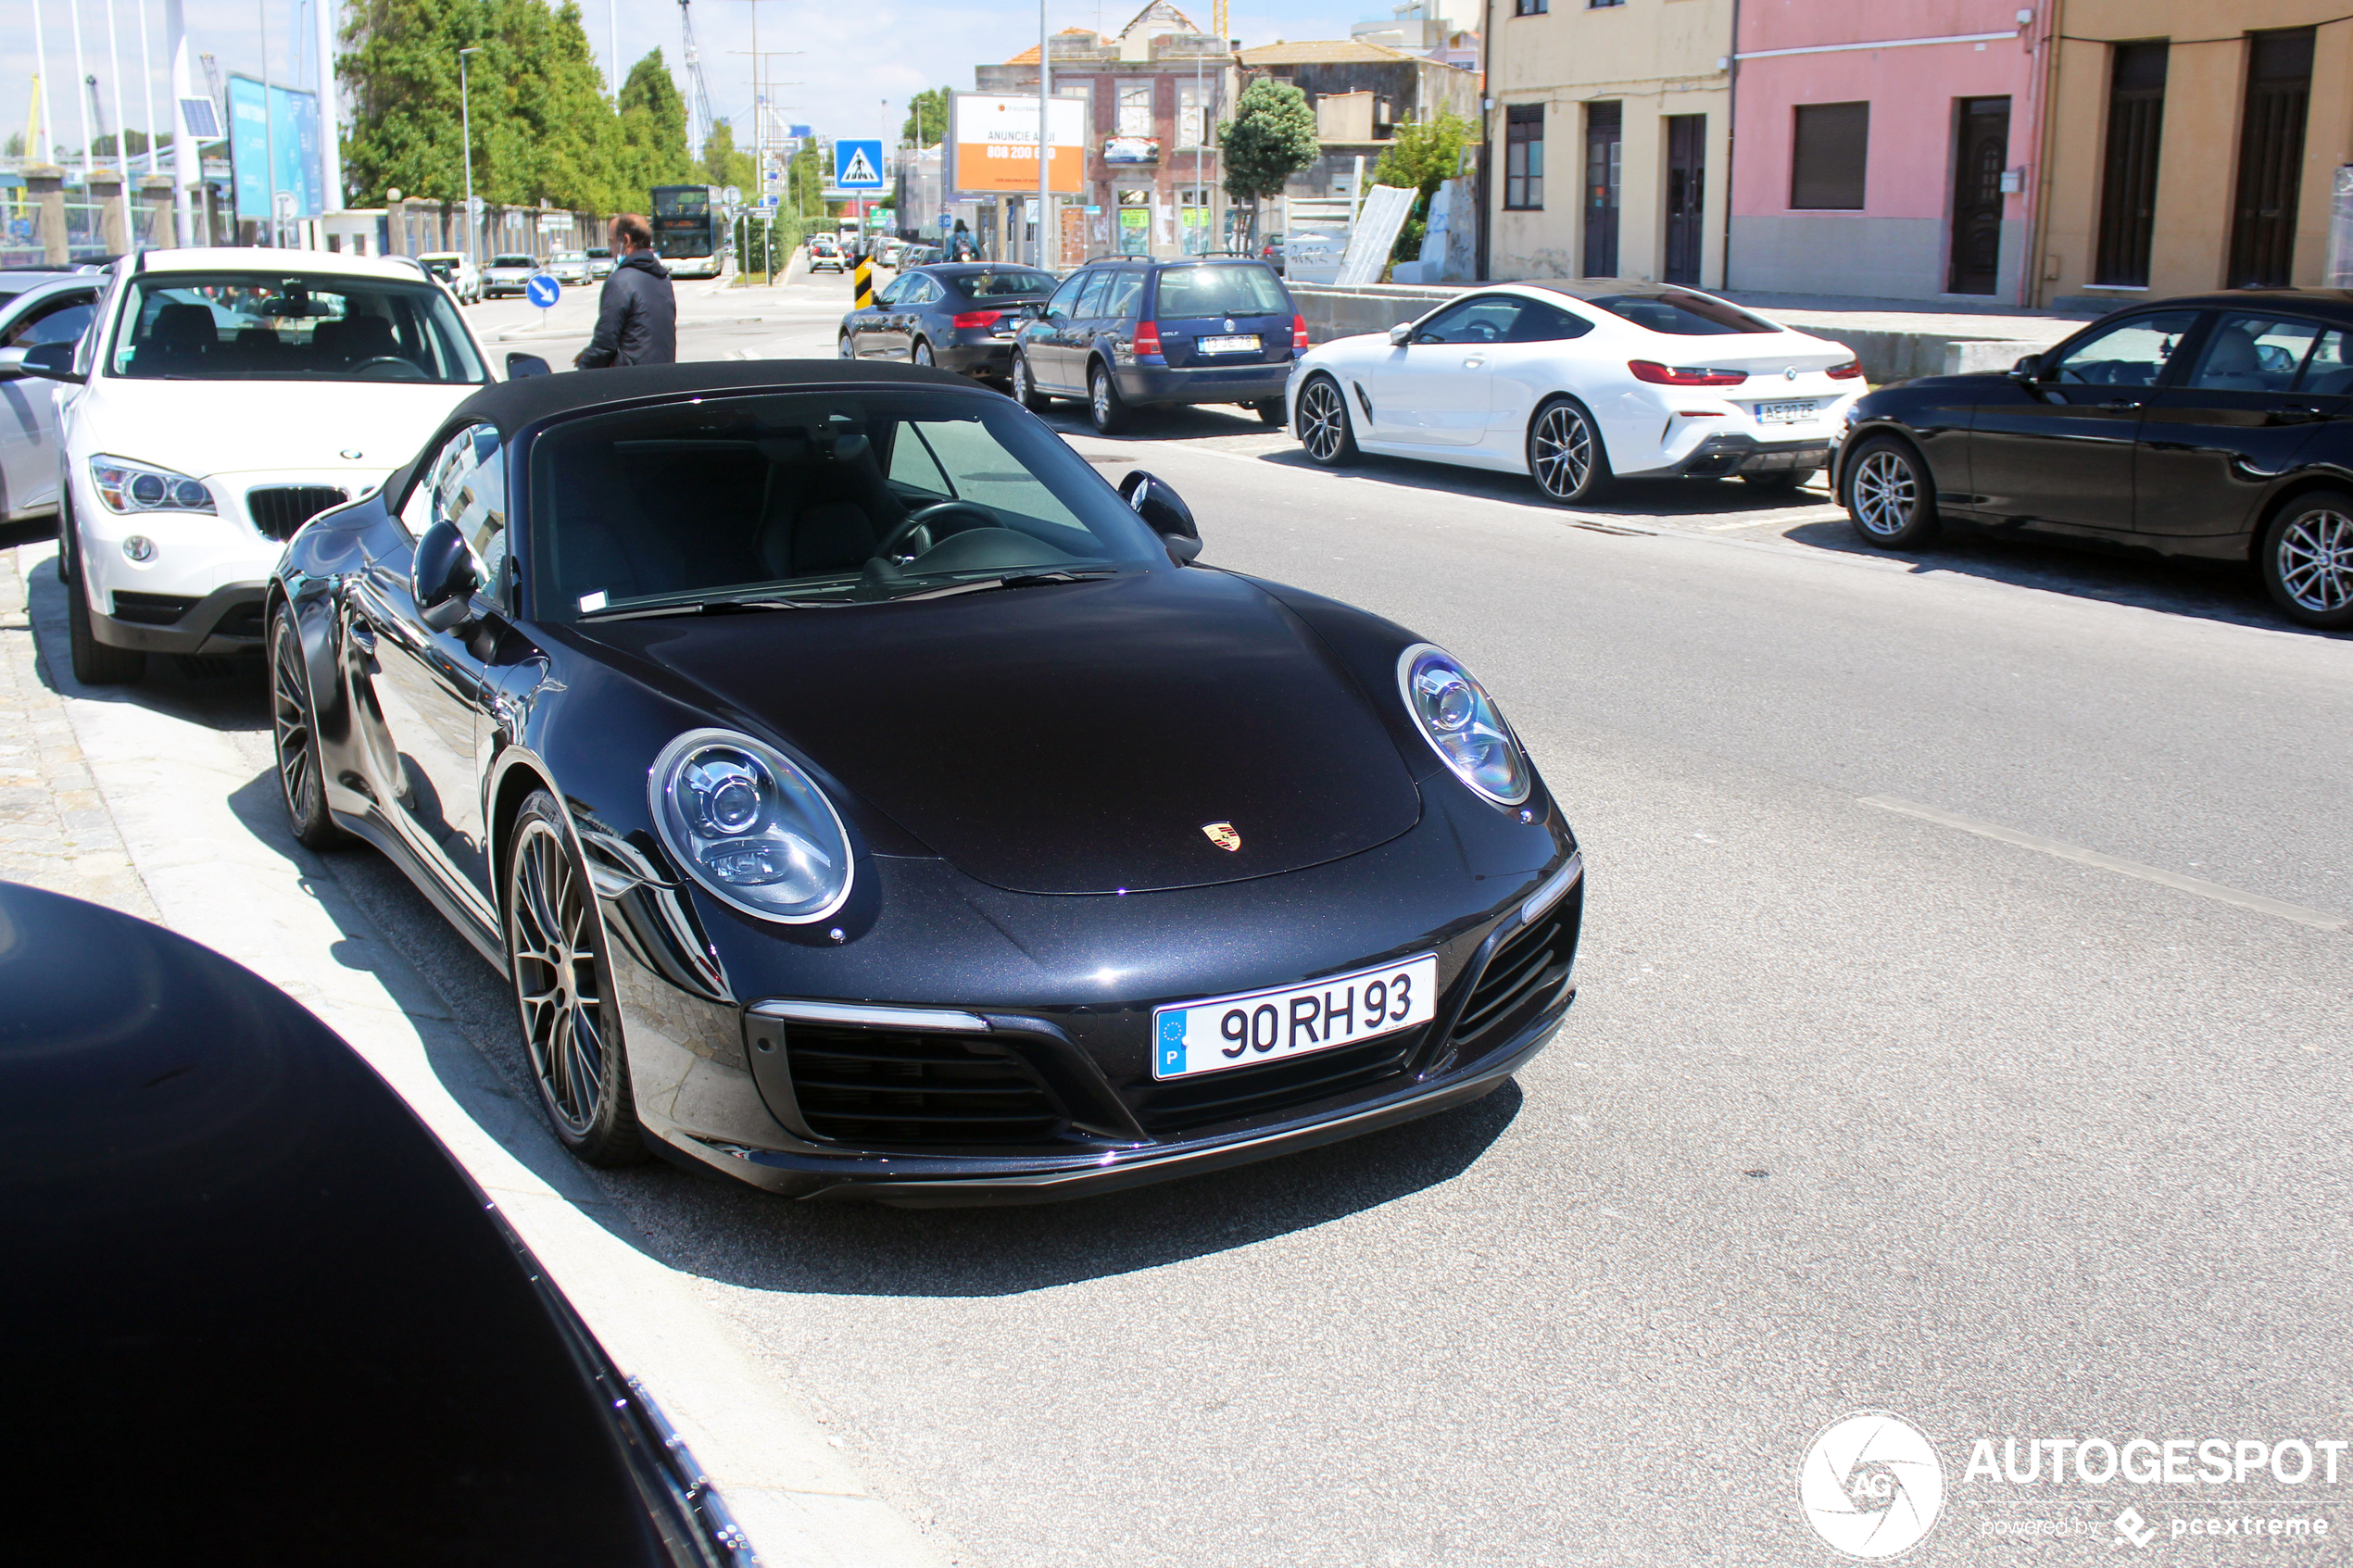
(741, 1237)
(230, 695)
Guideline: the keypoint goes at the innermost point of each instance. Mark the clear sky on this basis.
(852, 57)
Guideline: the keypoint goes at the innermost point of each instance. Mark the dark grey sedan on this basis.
(959, 315)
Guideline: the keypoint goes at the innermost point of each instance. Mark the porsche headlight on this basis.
(1459, 720)
(751, 827)
(129, 487)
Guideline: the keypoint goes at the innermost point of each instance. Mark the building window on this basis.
(1524, 157)
(1826, 162)
(1604, 152)
(1530, 7)
(2128, 180)
(1600, 4)
(2279, 93)
(1135, 111)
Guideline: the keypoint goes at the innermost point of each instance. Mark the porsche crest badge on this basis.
(1223, 836)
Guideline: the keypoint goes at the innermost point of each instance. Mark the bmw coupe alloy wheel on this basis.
(1886, 492)
(2316, 562)
(1321, 420)
(1561, 453)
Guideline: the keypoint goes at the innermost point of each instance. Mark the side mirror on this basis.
(443, 577)
(519, 365)
(1400, 334)
(53, 361)
(2029, 368)
(1164, 513)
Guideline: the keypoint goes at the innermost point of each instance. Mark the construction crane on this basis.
(698, 96)
(1218, 20)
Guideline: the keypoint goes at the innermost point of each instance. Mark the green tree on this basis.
(926, 117)
(723, 164)
(653, 131)
(1425, 156)
(1271, 137)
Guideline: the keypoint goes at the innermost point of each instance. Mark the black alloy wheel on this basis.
(1323, 424)
(1778, 479)
(1025, 391)
(94, 663)
(1272, 413)
(922, 353)
(1890, 497)
(1104, 405)
(1564, 453)
(294, 728)
(2307, 558)
(563, 992)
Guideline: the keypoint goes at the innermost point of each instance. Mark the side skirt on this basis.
(387, 841)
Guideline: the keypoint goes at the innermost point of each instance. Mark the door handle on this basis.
(2120, 405)
(1474, 361)
(363, 638)
(2298, 414)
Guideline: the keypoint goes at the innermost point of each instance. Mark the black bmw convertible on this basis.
(868, 799)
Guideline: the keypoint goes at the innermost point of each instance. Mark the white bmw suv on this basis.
(225, 399)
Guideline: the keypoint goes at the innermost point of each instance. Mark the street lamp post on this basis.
(466, 118)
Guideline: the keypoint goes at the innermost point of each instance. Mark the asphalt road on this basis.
(1855, 1109)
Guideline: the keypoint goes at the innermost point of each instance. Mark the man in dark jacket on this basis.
(637, 314)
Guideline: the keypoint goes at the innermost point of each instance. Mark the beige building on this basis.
(1609, 129)
(2193, 145)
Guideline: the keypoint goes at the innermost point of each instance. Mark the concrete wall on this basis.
(2197, 160)
(1898, 245)
(1656, 58)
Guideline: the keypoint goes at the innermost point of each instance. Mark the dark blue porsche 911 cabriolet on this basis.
(868, 799)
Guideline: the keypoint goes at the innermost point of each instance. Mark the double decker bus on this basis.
(690, 230)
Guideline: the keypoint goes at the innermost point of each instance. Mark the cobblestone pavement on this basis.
(54, 831)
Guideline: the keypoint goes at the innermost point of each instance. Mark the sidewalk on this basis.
(161, 799)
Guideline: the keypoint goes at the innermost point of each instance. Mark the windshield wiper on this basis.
(699, 607)
(1013, 580)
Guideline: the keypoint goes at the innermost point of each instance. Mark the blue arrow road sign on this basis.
(542, 290)
(858, 165)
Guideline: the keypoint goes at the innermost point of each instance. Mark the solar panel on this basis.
(204, 120)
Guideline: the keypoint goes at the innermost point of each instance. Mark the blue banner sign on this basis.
(289, 130)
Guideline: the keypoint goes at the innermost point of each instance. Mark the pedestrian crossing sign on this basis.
(857, 166)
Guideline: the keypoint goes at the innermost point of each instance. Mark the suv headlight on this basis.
(127, 487)
(1458, 719)
(751, 827)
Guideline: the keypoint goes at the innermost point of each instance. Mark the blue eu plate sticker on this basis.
(1172, 1041)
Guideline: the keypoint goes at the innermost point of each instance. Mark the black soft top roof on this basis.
(512, 405)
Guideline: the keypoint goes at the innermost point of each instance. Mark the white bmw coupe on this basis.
(1576, 384)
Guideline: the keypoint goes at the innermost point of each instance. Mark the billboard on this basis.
(992, 144)
(289, 130)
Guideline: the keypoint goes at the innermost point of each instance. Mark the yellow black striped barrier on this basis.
(863, 282)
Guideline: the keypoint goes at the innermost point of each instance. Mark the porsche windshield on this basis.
(243, 326)
(813, 498)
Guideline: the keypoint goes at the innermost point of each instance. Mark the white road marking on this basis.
(2214, 890)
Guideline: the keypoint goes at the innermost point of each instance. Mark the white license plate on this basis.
(1785, 413)
(1243, 344)
(1226, 1031)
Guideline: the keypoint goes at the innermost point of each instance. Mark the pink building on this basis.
(1884, 150)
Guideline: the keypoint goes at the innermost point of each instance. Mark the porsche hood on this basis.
(1170, 729)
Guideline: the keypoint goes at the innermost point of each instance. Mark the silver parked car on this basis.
(570, 267)
(507, 274)
(55, 311)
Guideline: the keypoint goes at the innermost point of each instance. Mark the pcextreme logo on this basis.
(1870, 1484)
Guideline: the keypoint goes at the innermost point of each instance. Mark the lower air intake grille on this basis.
(279, 510)
(150, 610)
(1250, 1091)
(1523, 973)
(881, 1087)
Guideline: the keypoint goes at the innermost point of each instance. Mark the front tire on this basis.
(844, 348)
(1323, 424)
(294, 726)
(1564, 453)
(1891, 498)
(921, 354)
(2307, 559)
(563, 992)
(1104, 405)
(94, 663)
(1025, 391)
